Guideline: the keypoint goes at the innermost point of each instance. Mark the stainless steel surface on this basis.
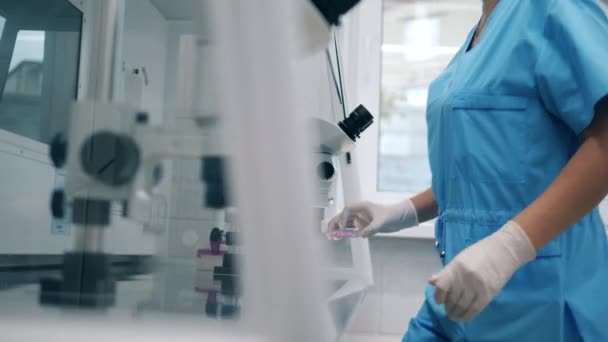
(89, 238)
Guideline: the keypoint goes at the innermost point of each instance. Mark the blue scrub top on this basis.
(504, 119)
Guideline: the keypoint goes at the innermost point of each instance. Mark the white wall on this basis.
(189, 222)
(175, 81)
(144, 46)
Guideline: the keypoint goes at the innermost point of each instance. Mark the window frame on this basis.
(26, 146)
(367, 151)
(3, 15)
(373, 143)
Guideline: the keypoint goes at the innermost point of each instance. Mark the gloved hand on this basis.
(371, 218)
(476, 275)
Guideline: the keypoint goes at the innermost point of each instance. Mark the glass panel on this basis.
(420, 38)
(25, 71)
(163, 253)
(39, 61)
(40, 82)
(340, 253)
(2, 22)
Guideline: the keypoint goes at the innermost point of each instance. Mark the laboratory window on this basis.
(419, 40)
(38, 66)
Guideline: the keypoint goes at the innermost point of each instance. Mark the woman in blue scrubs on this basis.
(518, 145)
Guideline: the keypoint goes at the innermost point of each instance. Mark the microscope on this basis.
(112, 155)
(332, 142)
(218, 260)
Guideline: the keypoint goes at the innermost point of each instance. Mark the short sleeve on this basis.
(572, 69)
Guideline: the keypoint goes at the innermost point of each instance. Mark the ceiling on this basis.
(176, 9)
(36, 8)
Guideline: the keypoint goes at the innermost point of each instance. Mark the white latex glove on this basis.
(476, 275)
(371, 218)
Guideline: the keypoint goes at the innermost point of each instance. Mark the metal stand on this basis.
(86, 279)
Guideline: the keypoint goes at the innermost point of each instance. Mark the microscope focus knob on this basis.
(58, 204)
(59, 150)
(326, 171)
(112, 159)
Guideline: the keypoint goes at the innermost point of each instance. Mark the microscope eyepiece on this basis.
(357, 122)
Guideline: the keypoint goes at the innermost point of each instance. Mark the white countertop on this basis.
(151, 299)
